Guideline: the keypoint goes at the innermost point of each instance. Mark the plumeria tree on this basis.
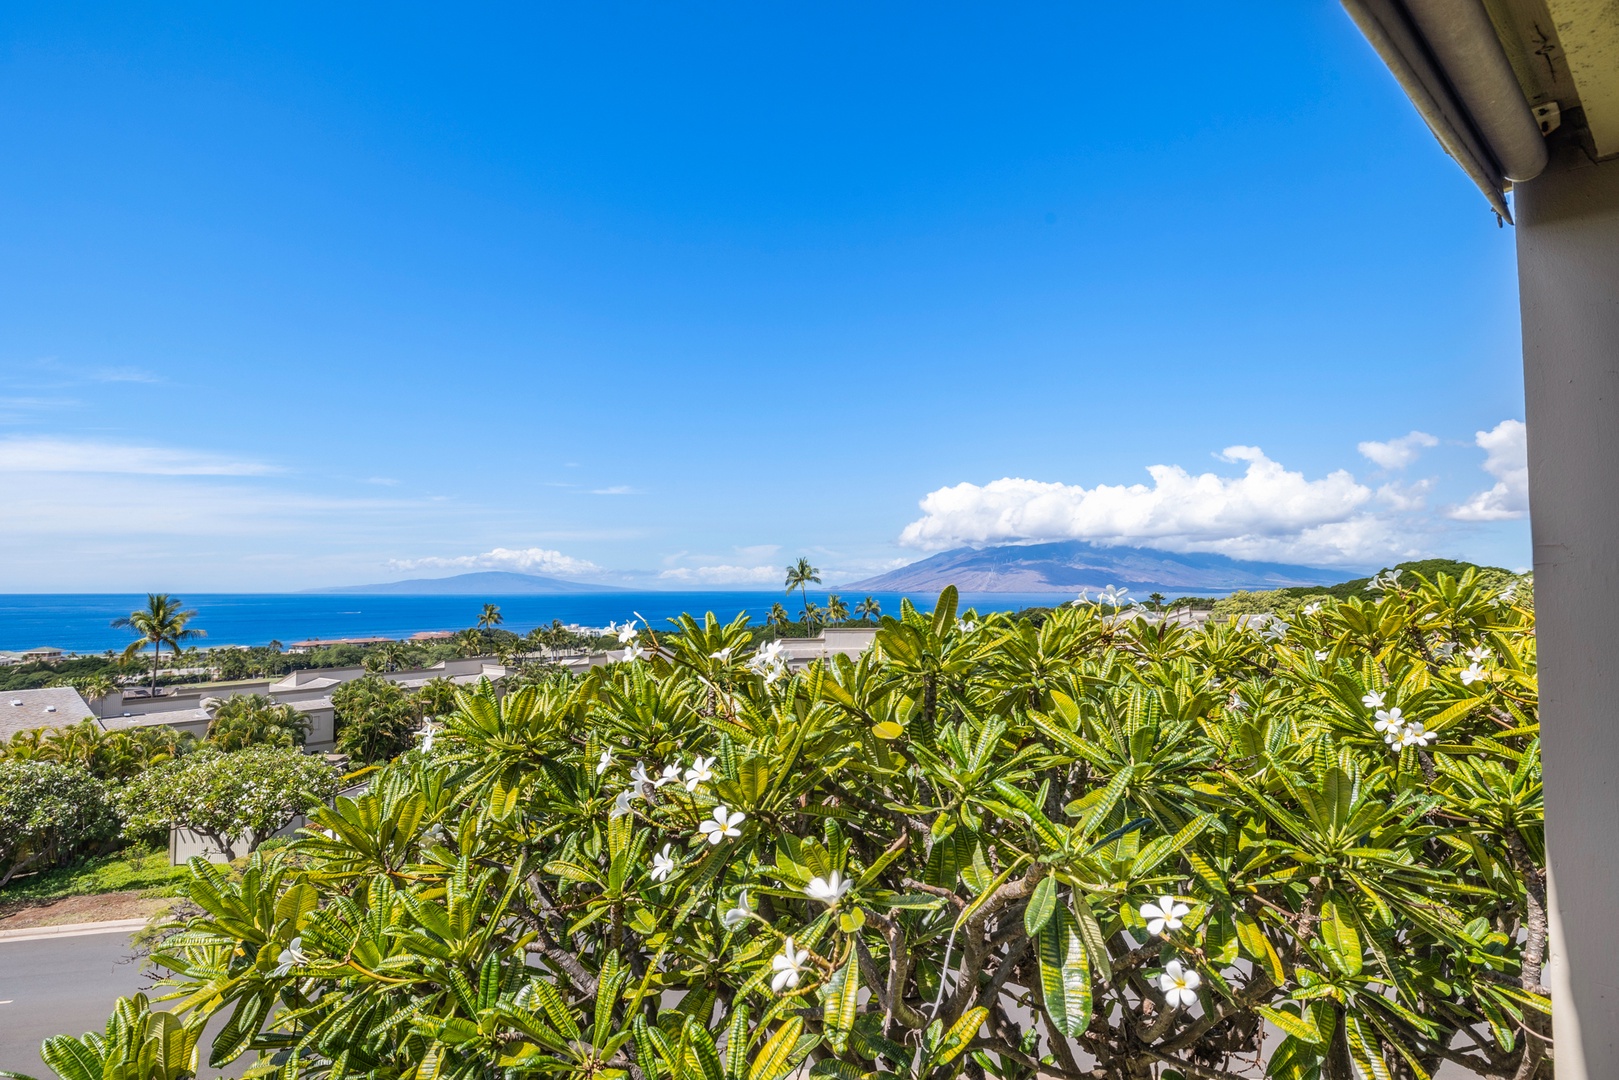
(1103, 847)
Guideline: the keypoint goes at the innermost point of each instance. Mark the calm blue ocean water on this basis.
(79, 623)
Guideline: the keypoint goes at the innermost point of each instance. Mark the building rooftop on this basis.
(51, 707)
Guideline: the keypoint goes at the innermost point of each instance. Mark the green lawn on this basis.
(146, 869)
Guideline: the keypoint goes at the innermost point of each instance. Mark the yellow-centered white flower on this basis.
(788, 965)
(1166, 914)
(723, 823)
(663, 863)
(1179, 984)
(828, 889)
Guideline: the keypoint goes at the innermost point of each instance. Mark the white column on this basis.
(1568, 272)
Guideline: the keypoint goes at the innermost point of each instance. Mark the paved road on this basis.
(60, 986)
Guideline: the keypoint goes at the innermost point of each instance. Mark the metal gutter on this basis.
(1390, 31)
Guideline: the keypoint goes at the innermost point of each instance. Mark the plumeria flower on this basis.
(1312, 607)
(724, 823)
(1444, 650)
(739, 914)
(604, 762)
(626, 633)
(621, 805)
(966, 626)
(1389, 722)
(292, 956)
(1508, 593)
(1274, 630)
(1166, 914)
(1473, 673)
(789, 967)
(1236, 703)
(774, 672)
(1113, 596)
(1083, 598)
(701, 772)
(770, 654)
(723, 655)
(1415, 734)
(670, 775)
(1373, 699)
(634, 652)
(1478, 654)
(1179, 984)
(638, 774)
(663, 863)
(425, 733)
(1321, 654)
(828, 889)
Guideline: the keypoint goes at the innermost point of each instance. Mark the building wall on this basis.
(1568, 271)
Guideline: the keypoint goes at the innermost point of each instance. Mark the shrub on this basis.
(376, 719)
(1099, 848)
(49, 813)
(254, 720)
(233, 800)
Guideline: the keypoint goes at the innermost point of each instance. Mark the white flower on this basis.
(1478, 654)
(1415, 735)
(1373, 699)
(770, 654)
(724, 823)
(604, 762)
(634, 652)
(1444, 649)
(1274, 630)
(621, 805)
(1179, 985)
(1113, 596)
(1472, 674)
(1312, 607)
(774, 672)
(425, 733)
(626, 633)
(1389, 722)
(638, 774)
(739, 914)
(1384, 580)
(292, 956)
(1166, 914)
(788, 965)
(701, 772)
(663, 863)
(966, 626)
(1082, 598)
(1321, 654)
(828, 889)
(670, 775)
(1236, 703)
(1508, 593)
(722, 655)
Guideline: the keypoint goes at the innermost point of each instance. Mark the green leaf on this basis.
(960, 1035)
(1256, 946)
(1364, 1052)
(736, 1044)
(1339, 934)
(1041, 904)
(1065, 976)
(838, 1008)
(1300, 1028)
(774, 1059)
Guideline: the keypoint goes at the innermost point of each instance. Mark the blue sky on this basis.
(672, 294)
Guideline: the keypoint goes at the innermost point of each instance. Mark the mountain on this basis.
(1069, 566)
(483, 583)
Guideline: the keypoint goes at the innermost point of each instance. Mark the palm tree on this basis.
(811, 613)
(778, 616)
(1157, 600)
(490, 618)
(836, 609)
(868, 608)
(160, 623)
(800, 576)
(469, 643)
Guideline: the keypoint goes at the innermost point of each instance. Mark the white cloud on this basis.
(617, 489)
(526, 560)
(1267, 509)
(723, 575)
(1506, 457)
(45, 455)
(1397, 453)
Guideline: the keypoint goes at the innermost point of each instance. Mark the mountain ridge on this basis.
(1069, 566)
(477, 583)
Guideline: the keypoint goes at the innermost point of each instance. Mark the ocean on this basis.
(81, 622)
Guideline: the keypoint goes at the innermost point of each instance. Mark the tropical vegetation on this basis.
(1103, 847)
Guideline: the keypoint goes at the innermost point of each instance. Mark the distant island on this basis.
(481, 583)
(1070, 566)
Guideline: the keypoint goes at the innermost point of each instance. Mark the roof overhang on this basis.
(1506, 86)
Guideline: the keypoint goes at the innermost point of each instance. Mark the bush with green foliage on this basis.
(234, 800)
(1098, 848)
(49, 813)
(254, 720)
(376, 719)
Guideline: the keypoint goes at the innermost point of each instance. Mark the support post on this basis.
(1568, 275)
